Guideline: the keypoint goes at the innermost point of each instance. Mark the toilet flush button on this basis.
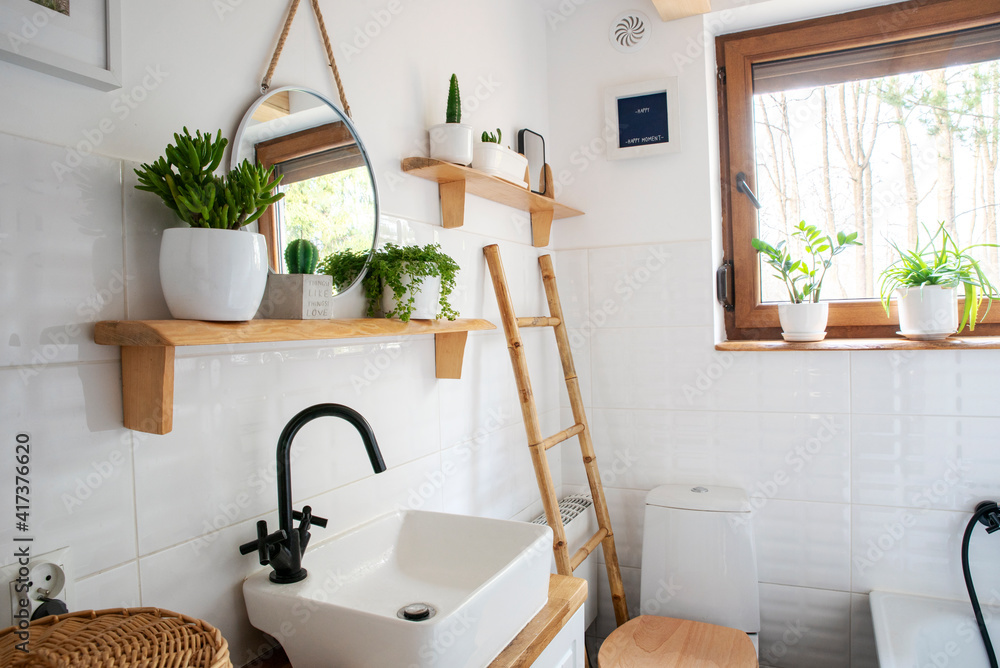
(699, 490)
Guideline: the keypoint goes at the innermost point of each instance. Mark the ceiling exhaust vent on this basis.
(630, 31)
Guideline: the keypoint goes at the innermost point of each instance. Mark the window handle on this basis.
(741, 186)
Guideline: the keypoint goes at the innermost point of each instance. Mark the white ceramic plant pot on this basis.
(927, 312)
(804, 322)
(210, 274)
(426, 302)
(451, 142)
(500, 161)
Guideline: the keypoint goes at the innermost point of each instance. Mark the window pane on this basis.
(883, 157)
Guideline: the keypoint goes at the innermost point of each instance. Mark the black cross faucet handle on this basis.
(263, 543)
(308, 519)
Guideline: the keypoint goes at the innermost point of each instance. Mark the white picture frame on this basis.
(638, 140)
(68, 47)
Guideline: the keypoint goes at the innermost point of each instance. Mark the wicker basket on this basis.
(117, 638)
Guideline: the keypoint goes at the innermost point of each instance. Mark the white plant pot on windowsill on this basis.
(451, 142)
(500, 161)
(927, 312)
(804, 322)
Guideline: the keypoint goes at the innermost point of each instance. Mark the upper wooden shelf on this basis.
(671, 10)
(454, 181)
(148, 351)
(951, 343)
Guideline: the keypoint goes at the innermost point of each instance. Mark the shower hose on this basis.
(988, 513)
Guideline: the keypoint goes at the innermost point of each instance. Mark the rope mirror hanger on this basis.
(266, 83)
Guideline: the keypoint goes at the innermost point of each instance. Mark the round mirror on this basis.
(330, 194)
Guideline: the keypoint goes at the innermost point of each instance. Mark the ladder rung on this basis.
(561, 436)
(591, 545)
(538, 322)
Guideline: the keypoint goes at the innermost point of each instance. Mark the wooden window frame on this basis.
(736, 55)
(295, 145)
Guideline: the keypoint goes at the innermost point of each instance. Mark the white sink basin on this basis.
(923, 631)
(485, 579)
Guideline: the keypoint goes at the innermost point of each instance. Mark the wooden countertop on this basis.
(566, 595)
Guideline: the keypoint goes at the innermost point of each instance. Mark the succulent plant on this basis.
(454, 112)
(301, 256)
(491, 138)
(184, 178)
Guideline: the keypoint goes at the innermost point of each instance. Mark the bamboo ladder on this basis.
(539, 445)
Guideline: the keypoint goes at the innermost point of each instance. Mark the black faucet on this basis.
(283, 549)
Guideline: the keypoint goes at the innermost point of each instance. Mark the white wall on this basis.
(156, 520)
(863, 467)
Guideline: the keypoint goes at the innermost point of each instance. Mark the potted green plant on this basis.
(208, 270)
(299, 294)
(804, 318)
(925, 282)
(402, 282)
(451, 141)
(490, 156)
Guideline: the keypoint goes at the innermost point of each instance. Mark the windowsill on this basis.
(951, 343)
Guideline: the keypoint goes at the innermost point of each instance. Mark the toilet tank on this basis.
(698, 557)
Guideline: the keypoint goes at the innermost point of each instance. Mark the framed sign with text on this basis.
(642, 118)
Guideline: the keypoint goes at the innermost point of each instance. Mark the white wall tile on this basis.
(935, 382)
(657, 285)
(61, 251)
(801, 626)
(234, 435)
(804, 544)
(771, 455)
(918, 551)
(572, 278)
(114, 588)
(945, 463)
(80, 463)
(679, 368)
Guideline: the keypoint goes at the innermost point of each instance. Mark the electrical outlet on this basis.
(44, 576)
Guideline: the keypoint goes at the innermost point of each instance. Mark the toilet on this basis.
(699, 596)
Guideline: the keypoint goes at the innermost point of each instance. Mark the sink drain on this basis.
(416, 612)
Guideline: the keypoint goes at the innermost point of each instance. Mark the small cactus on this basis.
(454, 113)
(489, 137)
(301, 256)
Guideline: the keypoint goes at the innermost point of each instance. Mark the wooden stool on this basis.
(665, 642)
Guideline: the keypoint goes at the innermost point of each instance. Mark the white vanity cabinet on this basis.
(567, 649)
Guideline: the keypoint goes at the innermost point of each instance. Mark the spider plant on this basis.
(941, 262)
(804, 278)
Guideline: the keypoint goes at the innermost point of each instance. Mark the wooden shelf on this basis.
(951, 343)
(454, 181)
(148, 351)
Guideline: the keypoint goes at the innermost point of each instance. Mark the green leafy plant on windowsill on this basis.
(804, 278)
(388, 267)
(184, 178)
(948, 266)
